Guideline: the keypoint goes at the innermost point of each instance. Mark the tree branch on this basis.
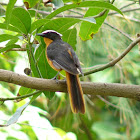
(114, 28)
(127, 5)
(19, 97)
(104, 89)
(15, 49)
(113, 62)
(124, 11)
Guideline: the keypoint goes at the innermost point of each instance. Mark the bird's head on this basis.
(50, 34)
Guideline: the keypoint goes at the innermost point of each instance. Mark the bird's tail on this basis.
(75, 93)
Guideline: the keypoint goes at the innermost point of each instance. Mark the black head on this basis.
(51, 34)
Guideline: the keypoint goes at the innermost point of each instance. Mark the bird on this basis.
(61, 56)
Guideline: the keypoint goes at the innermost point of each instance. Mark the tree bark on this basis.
(104, 89)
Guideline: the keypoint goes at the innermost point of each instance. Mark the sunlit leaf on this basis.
(9, 11)
(38, 24)
(69, 36)
(32, 61)
(16, 116)
(9, 27)
(87, 30)
(4, 37)
(21, 19)
(34, 13)
(12, 41)
(89, 19)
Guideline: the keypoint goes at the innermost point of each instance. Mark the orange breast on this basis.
(47, 42)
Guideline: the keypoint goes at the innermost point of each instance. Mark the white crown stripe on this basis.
(49, 31)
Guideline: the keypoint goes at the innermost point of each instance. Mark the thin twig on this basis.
(124, 11)
(118, 30)
(129, 18)
(19, 97)
(113, 62)
(107, 102)
(76, 12)
(127, 5)
(15, 49)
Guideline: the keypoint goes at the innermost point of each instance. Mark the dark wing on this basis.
(63, 57)
(76, 61)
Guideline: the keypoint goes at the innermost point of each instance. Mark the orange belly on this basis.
(51, 64)
(48, 42)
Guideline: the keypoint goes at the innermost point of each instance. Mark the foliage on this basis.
(82, 26)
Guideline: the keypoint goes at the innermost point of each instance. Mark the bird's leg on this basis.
(55, 77)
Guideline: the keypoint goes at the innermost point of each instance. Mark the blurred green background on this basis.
(106, 118)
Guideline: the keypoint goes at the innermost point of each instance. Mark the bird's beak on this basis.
(40, 34)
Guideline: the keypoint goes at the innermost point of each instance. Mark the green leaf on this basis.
(21, 19)
(16, 115)
(9, 47)
(5, 37)
(38, 24)
(9, 27)
(95, 4)
(32, 61)
(34, 13)
(89, 19)
(9, 11)
(70, 37)
(59, 24)
(12, 41)
(46, 71)
(24, 91)
(87, 30)
(31, 3)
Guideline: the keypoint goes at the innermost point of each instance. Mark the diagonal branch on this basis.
(116, 60)
(114, 28)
